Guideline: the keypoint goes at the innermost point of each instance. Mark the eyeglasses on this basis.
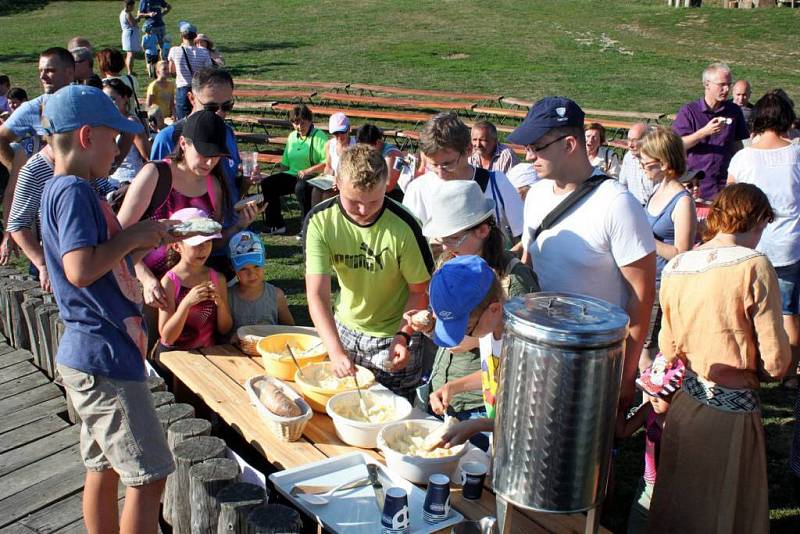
(449, 166)
(214, 107)
(647, 164)
(533, 149)
(453, 241)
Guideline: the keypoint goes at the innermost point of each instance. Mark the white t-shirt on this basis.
(199, 58)
(418, 194)
(607, 161)
(632, 176)
(777, 173)
(583, 251)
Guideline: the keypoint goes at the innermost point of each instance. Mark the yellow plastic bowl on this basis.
(318, 396)
(277, 361)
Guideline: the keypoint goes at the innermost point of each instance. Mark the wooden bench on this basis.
(321, 86)
(394, 116)
(371, 89)
(506, 113)
(296, 96)
(217, 376)
(406, 103)
(646, 116)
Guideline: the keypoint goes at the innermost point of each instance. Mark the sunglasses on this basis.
(214, 107)
(533, 149)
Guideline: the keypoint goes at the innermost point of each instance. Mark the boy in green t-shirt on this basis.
(383, 265)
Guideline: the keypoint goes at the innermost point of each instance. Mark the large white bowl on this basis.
(360, 433)
(415, 468)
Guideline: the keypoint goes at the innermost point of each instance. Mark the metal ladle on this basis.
(291, 353)
(361, 403)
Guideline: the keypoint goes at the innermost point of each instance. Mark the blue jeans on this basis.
(789, 283)
(182, 105)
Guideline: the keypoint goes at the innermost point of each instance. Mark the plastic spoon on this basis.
(435, 435)
(361, 403)
(324, 498)
(291, 353)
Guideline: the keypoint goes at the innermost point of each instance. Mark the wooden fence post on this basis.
(235, 502)
(29, 307)
(172, 413)
(205, 482)
(163, 398)
(181, 430)
(188, 453)
(156, 383)
(43, 314)
(274, 519)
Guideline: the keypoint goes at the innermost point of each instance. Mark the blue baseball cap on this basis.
(185, 26)
(74, 106)
(548, 113)
(456, 289)
(245, 248)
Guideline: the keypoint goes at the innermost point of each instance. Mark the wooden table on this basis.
(217, 375)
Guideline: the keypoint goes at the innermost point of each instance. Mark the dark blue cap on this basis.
(456, 289)
(546, 114)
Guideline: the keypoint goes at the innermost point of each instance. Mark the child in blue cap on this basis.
(251, 299)
(467, 299)
(100, 358)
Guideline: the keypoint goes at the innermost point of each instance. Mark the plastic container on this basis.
(318, 396)
(415, 469)
(361, 433)
(277, 361)
(286, 428)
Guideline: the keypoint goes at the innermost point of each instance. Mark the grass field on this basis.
(634, 55)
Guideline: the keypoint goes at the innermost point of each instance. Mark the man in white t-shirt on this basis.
(184, 61)
(446, 141)
(601, 247)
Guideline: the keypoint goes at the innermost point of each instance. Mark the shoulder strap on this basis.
(213, 276)
(176, 281)
(210, 179)
(162, 190)
(188, 63)
(567, 204)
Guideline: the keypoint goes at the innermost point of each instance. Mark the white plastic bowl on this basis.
(415, 468)
(359, 433)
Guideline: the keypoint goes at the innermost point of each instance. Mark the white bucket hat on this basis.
(522, 175)
(456, 205)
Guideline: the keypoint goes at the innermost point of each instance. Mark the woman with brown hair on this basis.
(722, 318)
(601, 156)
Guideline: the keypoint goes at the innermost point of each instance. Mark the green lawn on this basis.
(634, 55)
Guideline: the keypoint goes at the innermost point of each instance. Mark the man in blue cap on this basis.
(598, 242)
(100, 358)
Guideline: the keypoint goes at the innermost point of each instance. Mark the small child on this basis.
(659, 382)
(150, 46)
(251, 299)
(467, 299)
(5, 87)
(100, 357)
(161, 91)
(197, 297)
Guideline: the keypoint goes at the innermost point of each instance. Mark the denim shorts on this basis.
(789, 283)
(119, 429)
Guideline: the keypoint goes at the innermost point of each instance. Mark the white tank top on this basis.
(334, 156)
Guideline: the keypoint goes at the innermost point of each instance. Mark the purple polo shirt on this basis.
(713, 154)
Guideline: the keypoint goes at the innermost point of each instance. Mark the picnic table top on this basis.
(217, 376)
(372, 88)
(397, 102)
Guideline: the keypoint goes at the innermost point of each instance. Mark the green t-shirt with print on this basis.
(374, 263)
(303, 152)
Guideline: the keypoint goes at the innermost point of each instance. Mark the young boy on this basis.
(100, 359)
(161, 91)
(467, 299)
(251, 299)
(150, 46)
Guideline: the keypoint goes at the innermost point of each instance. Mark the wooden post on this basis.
(162, 398)
(6, 319)
(156, 383)
(43, 330)
(205, 482)
(181, 430)
(274, 519)
(235, 503)
(29, 313)
(15, 294)
(173, 412)
(56, 331)
(188, 453)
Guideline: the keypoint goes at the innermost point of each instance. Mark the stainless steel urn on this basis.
(560, 373)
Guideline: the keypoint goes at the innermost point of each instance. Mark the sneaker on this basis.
(275, 230)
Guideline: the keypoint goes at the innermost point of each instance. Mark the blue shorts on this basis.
(789, 283)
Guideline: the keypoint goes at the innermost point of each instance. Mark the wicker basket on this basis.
(250, 335)
(286, 428)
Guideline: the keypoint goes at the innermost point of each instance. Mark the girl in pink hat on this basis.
(197, 297)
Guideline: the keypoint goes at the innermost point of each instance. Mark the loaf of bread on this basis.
(278, 402)
(422, 320)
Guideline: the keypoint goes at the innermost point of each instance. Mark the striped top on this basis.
(199, 58)
(33, 175)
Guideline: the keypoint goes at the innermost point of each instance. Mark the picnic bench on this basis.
(294, 96)
(217, 375)
(403, 103)
(322, 86)
(642, 115)
(371, 89)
